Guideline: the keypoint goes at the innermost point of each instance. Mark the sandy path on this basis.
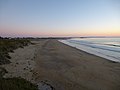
(66, 68)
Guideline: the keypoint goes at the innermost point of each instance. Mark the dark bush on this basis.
(16, 84)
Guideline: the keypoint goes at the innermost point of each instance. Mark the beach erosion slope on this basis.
(66, 68)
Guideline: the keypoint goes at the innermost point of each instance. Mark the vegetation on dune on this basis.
(8, 45)
(16, 84)
(2, 72)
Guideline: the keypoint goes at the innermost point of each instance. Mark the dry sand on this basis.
(61, 67)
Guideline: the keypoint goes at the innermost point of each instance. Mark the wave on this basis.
(93, 45)
(113, 45)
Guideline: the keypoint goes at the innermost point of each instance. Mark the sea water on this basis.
(108, 48)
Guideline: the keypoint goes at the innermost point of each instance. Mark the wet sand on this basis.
(66, 68)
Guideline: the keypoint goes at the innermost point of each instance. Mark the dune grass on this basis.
(8, 45)
(16, 84)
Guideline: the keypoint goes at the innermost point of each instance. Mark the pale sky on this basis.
(59, 18)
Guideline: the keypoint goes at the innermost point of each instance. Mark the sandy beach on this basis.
(62, 67)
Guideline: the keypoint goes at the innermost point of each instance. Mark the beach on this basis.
(61, 67)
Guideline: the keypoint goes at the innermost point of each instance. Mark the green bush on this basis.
(16, 84)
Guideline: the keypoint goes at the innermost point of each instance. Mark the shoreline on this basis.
(92, 51)
(57, 66)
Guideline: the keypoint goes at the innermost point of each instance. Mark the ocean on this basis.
(108, 48)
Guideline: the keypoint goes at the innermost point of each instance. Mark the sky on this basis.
(41, 18)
